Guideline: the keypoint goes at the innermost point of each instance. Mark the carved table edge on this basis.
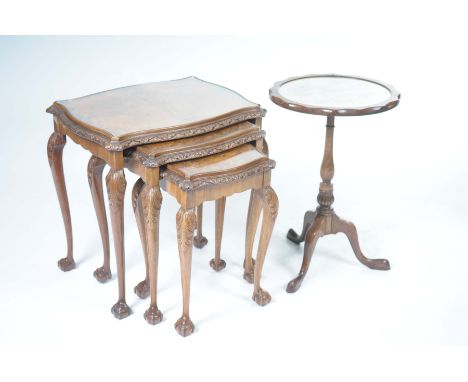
(391, 102)
(150, 161)
(190, 185)
(111, 144)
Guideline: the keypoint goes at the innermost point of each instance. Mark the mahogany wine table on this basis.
(331, 95)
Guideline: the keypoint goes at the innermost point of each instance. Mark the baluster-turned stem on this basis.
(325, 197)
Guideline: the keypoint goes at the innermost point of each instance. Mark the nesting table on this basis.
(112, 124)
(331, 95)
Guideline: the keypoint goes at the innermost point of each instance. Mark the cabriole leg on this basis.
(151, 200)
(270, 211)
(95, 168)
(349, 229)
(185, 226)
(309, 217)
(217, 263)
(116, 185)
(313, 234)
(253, 216)
(142, 289)
(54, 153)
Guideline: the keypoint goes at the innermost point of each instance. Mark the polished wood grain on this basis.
(55, 147)
(237, 159)
(157, 154)
(95, 169)
(155, 112)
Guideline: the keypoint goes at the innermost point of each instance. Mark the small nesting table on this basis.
(331, 95)
(192, 183)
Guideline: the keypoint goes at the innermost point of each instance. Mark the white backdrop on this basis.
(401, 177)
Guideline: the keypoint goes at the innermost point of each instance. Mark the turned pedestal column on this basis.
(324, 221)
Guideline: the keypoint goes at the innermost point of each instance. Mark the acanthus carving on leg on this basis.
(95, 169)
(55, 147)
(270, 212)
(151, 200)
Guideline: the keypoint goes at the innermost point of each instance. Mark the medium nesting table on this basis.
(331, 95)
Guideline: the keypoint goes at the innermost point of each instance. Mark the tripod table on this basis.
(331, 95)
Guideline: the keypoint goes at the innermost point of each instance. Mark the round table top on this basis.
(332, 94)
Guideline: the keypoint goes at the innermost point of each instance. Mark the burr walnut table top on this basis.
(331, 94)
(121, 118)
(232, 161)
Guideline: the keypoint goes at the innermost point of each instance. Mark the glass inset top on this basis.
(334, 94)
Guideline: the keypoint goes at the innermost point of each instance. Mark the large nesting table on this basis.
(116, 123)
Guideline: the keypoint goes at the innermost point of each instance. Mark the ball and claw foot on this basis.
(200, 243)
(142, 289)
(184, 326)
(102, 275)
(217, 265)
(153, 315)
(121, 310)
(261, 297)
(294, 284)
(66, 264)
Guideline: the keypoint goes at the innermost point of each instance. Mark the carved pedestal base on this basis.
(153, 315)
(66, 264)
(102, 275)
(142, 289)
(217, 265)
(324, 221)
(326, 224)
(261, 297)
(121, 310)
(184, 326)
